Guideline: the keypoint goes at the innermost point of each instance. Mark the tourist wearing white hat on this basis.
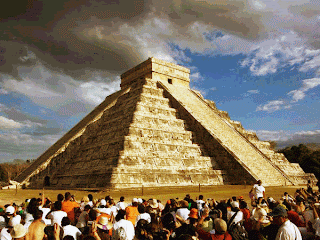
(19, 232)
(14, 218)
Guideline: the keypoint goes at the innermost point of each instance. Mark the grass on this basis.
(163, 193)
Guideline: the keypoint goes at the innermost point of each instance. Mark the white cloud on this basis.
(271, 106)
(3, 91)
(285, 136)
(96, 92)
(253, 91)
(196, 76)
(266, 135)
(307, 84)
(6, 123)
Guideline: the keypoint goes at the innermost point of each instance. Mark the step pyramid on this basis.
(156, 131)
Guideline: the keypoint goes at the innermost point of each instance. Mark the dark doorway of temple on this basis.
(46, 181)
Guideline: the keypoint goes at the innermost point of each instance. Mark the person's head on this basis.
(47, 203)
(120, 215)
(90, 197)
(234, 198)
(60, 197)
(32, 206)
(279, 215)
(93, 215)
(220, 226)
(243, 204)
(68, 237)
(193, 214)
(18, 232)
(122, 199)
(103, 203)
(87, 207)
(67, 196)
(135, 202)
(10, 210)
(200, 197)
(65, 221)
(143, 229)
(37, 214)
(184, 204)
(141, 208)
(168, 221)
(259, 182)
(235, 204)
(57, 205)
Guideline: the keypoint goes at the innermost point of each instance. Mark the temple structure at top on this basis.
(156, 131)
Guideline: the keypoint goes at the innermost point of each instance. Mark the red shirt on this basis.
(294, 217)
(246, 216)
(208, 236)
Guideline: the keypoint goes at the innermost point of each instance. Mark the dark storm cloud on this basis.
(57, 31)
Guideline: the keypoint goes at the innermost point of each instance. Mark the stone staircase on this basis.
(140, 140)
(293, 170)
(245, 152)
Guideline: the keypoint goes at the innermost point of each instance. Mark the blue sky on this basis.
(258, 60)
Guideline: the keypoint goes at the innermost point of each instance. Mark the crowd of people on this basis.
(293, 217)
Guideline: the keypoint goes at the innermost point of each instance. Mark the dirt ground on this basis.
(163, 194)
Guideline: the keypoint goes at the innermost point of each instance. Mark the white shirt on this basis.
(72, 231)
(56, 217)
(258, 191)
(5, 235)
(183, 212)
(127, 226)
(105, 210)
(237, 218)
(121, 205)
(199, 204)
(288, 231)
(45, 213)
(15, 220)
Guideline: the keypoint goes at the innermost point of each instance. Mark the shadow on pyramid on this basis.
(154, 132)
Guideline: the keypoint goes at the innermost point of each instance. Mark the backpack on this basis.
(119, 234)
(237, 230)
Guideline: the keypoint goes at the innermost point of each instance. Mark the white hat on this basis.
(10, 210)
(260, 213)
(235, 204)
(18, 231)
(135, 200)
(103, 202)
(153, 203)
(140, 200)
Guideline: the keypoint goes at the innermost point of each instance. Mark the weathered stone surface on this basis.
(156, 131)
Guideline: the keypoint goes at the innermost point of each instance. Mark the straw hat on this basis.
(154, 203)
(18, 231)
(103, 223)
